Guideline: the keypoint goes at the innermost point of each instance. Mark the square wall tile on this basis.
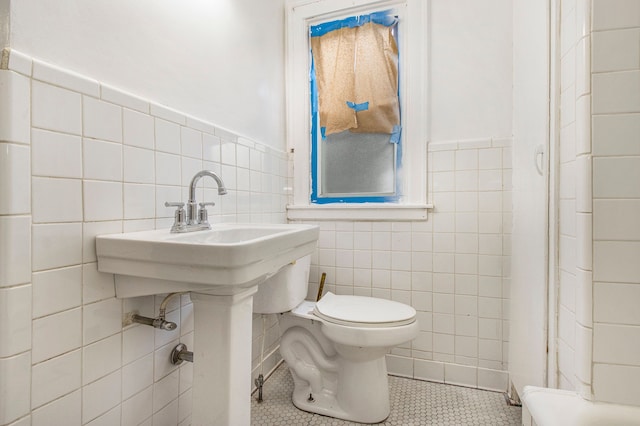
(616, 303)
(15, 191)
(165, 390)
(616, 92)
(191, 142)
(56, 290)
(15, 387)
(55, 377)
(56, 245)
(15, 104)
(15, 323)
(102, 200)
(137, 376)
(138, 129)
(101, 358)
(616, 344)
(56, 334)
(168, 169)
(210, 148)
(614, 177)
(101, 120)
(139, 165)
(138, 408)
(168, 415)
(616, 383)
(101, 319)
(56, 154)
(616, 219)
(616, 261)
(137, 342)
(56, 109)
(616, 134)
(56, 200)
(15, 250)
(613, 14)
(139, 201)
(63, 411)
(167, 136)
(616, 50)
(102, 160)
(101, 396)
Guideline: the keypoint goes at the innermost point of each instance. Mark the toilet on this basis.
(335, 348)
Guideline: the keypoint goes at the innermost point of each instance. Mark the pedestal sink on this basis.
(222, 269)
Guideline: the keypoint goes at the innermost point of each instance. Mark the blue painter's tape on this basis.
(364, 106)
(395, 135)
(323, 132)
(314, 87)
(383, 18)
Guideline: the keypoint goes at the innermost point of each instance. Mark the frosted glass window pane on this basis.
(357, 163)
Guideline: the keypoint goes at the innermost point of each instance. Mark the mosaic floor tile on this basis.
(413, 403)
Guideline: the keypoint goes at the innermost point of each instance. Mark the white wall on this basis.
(78, 159)
(470, 70)
(221, 61)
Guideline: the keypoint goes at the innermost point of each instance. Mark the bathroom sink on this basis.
(222, 260)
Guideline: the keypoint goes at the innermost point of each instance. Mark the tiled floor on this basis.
(413, 403)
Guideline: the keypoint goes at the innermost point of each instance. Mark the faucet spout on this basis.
(192, 187)
(192, 208)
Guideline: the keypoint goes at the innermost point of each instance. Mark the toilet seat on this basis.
(361, 311)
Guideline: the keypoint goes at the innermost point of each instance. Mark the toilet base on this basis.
(361, 394)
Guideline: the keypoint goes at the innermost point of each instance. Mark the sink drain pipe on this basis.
(179, 354)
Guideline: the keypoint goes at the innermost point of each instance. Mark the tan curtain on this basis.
(357, 65)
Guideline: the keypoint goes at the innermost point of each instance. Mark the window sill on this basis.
(354, 212)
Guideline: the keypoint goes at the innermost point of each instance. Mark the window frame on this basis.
(412, 204)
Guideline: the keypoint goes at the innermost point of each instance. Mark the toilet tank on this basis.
(285, 290)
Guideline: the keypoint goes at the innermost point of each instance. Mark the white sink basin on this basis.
(223, 260)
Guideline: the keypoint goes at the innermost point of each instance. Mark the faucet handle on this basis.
(177, 204)
(180, 218)
(203, 215)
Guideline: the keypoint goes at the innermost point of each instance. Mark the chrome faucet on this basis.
(195, 219)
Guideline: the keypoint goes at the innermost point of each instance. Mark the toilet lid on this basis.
(360, 311)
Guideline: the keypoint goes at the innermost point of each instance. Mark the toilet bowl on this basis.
(336, 348)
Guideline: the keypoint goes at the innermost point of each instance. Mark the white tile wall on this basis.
(15, 326)
(598, 332)
(14, 179)
(15, 250)
(79, 159)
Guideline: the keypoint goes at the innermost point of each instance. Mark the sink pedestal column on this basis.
(222, 358)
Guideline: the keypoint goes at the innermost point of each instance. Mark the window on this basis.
(354, 170)
(355, 110)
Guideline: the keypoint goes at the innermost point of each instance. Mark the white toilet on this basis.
(335, 348)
